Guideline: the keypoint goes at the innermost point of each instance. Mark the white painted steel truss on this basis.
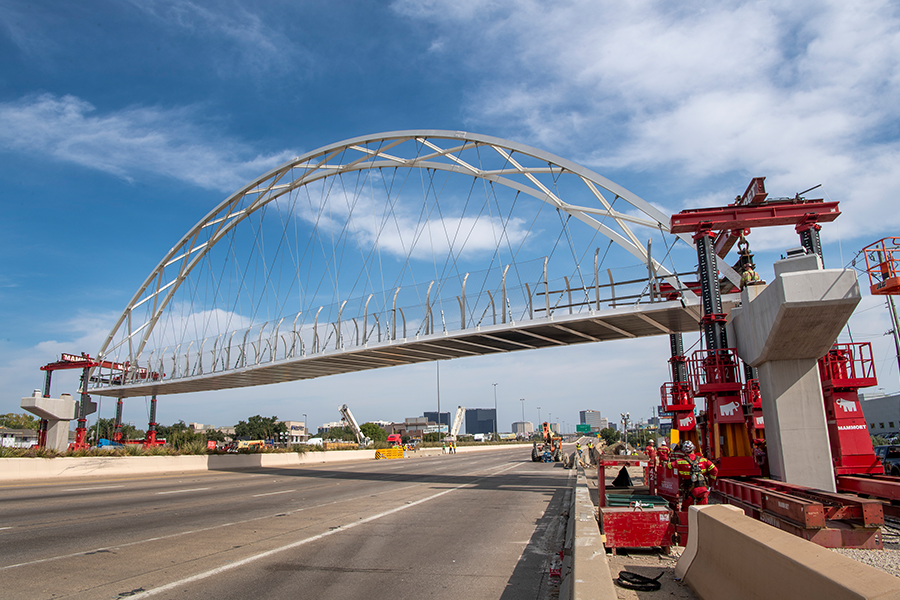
(238, 293)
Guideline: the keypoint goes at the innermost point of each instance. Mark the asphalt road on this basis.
(477, 525)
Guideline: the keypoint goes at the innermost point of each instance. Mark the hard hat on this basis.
(688, 446)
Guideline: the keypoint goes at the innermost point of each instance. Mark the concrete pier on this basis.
(782, 329)
(58, 412)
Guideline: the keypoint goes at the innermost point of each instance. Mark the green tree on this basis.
(259, 428)
(177, 435)
(609, 435)
(344, 434)
(107, 430)
(20, 421)
(373, 432)
(215, 435)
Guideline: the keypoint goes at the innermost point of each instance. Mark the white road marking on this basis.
(91, 489)
(181, 491)
(3, 528)
(303, 542)
(202, 529)
(273, 493)
(193, 531)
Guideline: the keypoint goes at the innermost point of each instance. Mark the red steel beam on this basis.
(758, 215)
(883, 486)
(837, 506)
(808, 514)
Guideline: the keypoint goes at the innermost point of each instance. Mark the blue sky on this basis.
(123, 123)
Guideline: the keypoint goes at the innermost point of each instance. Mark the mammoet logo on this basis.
(727, 410)
(685, 422)
(847, 405)
(760, 422)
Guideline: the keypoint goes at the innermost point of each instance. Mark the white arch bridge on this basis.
(394, 249)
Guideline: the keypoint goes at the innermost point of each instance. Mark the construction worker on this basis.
(749, 276)
(650, 451)
(696, 474)
(578, 451)
(663, 453)
(591, 452)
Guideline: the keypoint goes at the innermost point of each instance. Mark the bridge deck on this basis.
(560, 330)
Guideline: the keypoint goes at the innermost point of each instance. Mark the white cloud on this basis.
(159, 141)
(803, 93)
(246, 38)
(405, 231)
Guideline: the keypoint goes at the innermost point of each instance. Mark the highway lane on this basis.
(478, 525)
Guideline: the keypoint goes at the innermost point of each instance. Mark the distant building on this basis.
(882, 413)
(326, 427)
(524, 428)
(415, 427)
(592, 418)
(481, 420)
(297, 431)
(18, 438)
(604, 423)
(433, 417)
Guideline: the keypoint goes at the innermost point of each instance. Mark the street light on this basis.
(522, 400)
(305, 428)
(495, 408)
(539, 416)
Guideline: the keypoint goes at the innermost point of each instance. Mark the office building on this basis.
(592, 418)
(481, 420)
(882, 413)
(433, 417)
(523, 428)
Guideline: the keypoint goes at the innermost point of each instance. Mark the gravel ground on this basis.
(888, 560)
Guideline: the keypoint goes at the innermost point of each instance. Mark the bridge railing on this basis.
(470, 301)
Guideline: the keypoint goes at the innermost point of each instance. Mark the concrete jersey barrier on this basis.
(590, 577)
(24, 469)
(733, 557)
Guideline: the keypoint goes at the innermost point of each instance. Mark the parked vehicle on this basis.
(237, 445)
(890, 458)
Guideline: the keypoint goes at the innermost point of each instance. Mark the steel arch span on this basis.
(395, 248)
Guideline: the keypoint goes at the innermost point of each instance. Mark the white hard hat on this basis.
(688, 446)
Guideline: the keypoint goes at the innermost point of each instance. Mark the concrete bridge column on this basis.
(783, 329)
(57, 412)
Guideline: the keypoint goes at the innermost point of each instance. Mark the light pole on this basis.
(522, 400)
(495, 409)
(305, 428)
(438, 369)
(539, 416)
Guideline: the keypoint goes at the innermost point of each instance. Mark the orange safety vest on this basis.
(695, 466)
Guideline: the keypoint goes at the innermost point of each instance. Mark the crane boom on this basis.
(351, 420)
(457, 422)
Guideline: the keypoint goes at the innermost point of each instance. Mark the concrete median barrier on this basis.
(733, 557)
(589, 577)
(24, 469)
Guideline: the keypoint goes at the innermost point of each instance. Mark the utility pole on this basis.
(438, 365)
(896, 330)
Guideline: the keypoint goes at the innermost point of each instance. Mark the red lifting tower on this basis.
(729, 424)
